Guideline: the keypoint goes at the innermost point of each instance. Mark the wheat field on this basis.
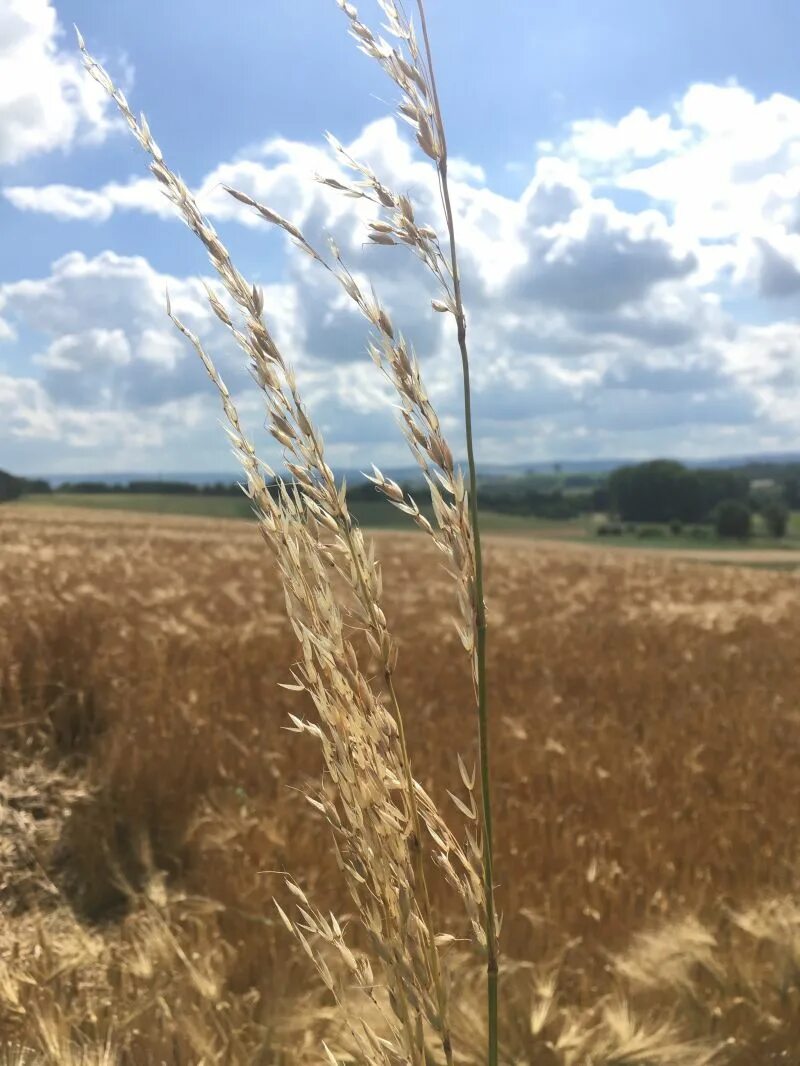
(647, 780)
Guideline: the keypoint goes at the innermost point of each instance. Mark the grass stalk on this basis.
(415, 844)
(361, 753)
(492, 966)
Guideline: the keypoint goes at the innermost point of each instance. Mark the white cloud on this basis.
(568, 247)
(637, 135)
(103, 338)
(43, 433)
(727, 169)
(594, 257)
(69, 203)
(280, 173)
(92, 349)
(108, 381)
(109, 366)
(28, 410)
(46, 101)
(61, 201)
(766, 360)
(593, 328)
(463, 170)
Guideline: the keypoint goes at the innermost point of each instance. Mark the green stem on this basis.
(480, 608)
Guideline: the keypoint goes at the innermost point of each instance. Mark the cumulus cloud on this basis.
(724, 165)
(558, 242)
(27, 409)
(69, 203)
(595, 257)
(102, 339)
(595, 327)
(637, 135)
(43, 433)
(109, 374)
(766, 360)
(46, 101)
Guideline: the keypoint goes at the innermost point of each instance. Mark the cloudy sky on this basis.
(627, 185)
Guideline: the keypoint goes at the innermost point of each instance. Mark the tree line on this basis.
(540, 495)
(665, 491)
(661, 492)
(11, 487)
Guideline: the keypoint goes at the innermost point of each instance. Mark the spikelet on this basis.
(378, 810)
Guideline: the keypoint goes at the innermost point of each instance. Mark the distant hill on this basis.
(758, 463)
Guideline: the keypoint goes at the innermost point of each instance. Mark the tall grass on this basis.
(385, 826)
(647, 788)
(143, 790)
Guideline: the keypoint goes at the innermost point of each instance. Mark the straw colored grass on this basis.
(387, 828)
(648, 771)
(184, 885)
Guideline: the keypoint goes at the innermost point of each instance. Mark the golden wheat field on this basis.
(646, 758)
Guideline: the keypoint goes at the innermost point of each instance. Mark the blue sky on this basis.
(628, 187)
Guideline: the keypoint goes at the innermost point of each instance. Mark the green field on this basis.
(373, 514)
(669, 542)
(377, 514)
(150, 503)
